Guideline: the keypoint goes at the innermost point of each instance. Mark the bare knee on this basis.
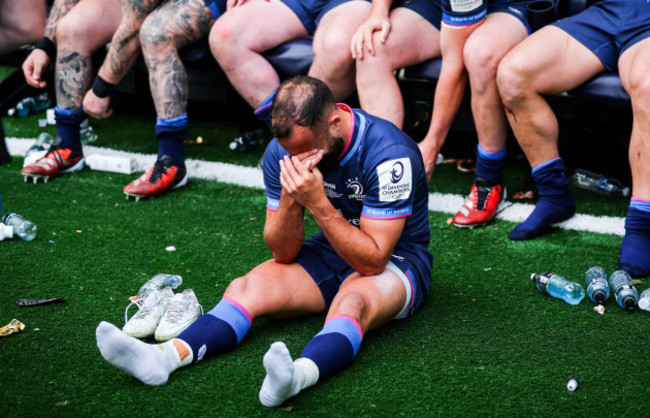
(513, 81)
(72, 33)
(153, 37)
(332, 54)
(352, 303)
(481, 61)
(640, 93)
(240, 288)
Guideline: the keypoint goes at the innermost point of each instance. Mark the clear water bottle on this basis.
(644, 300)
(30, 105)
(557, 286)
(248, 140)
(87, 134)
(599, 183)
(626, 294)
(22, 227)
(159, 281)
(42, 143)
(597, 286)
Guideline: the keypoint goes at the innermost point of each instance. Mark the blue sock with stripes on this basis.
(334, 348)
(635, 248)
(170, 134)
(218, 331)
(263, 111)
(68, 122)
(490, 165)
(556, 203)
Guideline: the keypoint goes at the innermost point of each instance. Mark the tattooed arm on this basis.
(122, 53)
(36, 63)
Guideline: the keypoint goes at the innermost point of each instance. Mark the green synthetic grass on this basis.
(486, 342)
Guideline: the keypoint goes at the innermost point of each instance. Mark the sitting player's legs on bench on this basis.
(85, 28)
(172, 26)
(376, 61)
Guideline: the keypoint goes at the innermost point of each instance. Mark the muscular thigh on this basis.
(10, 10)
(259, 25)
(407, 25)
(94, 20)
(183, 21)
(553, 61)
(496, 36)
(337, 25)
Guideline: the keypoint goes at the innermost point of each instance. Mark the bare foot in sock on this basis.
(145, 362)
(278, 383)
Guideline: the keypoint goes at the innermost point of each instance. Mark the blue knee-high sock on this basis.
(68, 123)
(218, 331)
(170, 134)
(334, 348)
(490, 165)
(556, 203)
(635, 249)
(263, 112)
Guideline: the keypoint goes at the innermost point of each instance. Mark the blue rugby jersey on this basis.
(380, 175)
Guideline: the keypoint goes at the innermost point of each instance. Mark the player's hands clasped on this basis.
(301, 178)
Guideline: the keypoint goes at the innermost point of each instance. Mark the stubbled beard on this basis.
(329, 161)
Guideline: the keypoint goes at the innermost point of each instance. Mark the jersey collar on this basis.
(357, 128)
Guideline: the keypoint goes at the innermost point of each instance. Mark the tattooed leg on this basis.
(88, 26)
(173, 25)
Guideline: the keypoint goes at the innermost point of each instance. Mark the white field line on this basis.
(252, 177)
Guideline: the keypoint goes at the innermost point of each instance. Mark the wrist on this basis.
(102, 88)
(48, 46)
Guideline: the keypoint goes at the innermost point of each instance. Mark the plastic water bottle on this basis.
(557, 286)
(159, 281)
(22, 227)
(30, 105)
(42, 143)
(598, 183)
(626, 294)
(597, 286)
(644, 300)
(87, 134)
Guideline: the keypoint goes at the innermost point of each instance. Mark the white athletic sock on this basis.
(284, 378)
(146, 362)
(178, 353)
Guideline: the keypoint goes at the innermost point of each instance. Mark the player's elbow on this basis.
(372, 267)
(283, 257)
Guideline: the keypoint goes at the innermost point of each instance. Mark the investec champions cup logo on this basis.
(395, 180)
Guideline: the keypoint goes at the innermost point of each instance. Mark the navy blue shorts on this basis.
(428, 9)
(311, 12)
(329, 270)
(609, 27)
(516, 8)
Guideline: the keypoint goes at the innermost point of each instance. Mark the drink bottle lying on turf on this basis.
(597, 286)
(626, 294)
(30, 105)
(644, 300)
(598, 183)
(21, 227)
(159, 281)
(557, 286)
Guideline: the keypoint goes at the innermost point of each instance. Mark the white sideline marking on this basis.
(252, 177)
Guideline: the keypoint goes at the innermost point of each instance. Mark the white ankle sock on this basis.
(284, 378)
(147, 363)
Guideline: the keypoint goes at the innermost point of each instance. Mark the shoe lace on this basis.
(158, 169)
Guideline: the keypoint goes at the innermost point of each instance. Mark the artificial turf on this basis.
(486, 342)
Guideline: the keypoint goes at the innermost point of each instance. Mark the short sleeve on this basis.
(271, 170)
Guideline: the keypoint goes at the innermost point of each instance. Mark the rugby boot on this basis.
(481, 205)
(56, 161)
(161, 178)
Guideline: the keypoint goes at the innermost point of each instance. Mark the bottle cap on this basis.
(625, 191)
(629, 303)
(599, 296)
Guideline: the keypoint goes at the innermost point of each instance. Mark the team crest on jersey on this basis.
(355, 189)
(395, 180)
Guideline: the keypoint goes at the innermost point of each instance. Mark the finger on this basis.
(369, 44)
(285, 178)
(307, 154)
(385, 30)
(313, 161)
(301, 168)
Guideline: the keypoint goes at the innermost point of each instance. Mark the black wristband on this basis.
(102, 88)
(48, 46)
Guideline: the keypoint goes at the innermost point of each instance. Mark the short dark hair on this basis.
(303, 101)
